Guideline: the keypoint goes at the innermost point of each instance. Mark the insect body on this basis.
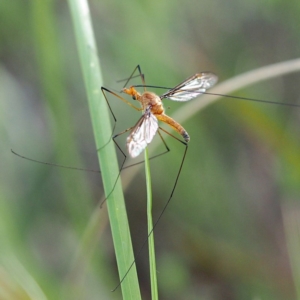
(152, 106)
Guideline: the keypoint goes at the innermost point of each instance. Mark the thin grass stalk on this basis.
(152, 261)
(107, 155)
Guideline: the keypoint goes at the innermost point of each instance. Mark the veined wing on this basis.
(142, 133)
(191, 87)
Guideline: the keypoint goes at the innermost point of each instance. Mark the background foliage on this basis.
(230, 231)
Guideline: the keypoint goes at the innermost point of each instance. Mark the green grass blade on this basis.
(152, 262)
(107, 156)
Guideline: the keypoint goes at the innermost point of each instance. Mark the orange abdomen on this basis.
(176, 126)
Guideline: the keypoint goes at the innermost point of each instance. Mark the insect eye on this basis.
(133, 97)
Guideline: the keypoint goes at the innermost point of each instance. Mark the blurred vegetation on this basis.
(231, 229)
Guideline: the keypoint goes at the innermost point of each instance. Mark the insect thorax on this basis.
(149, 98)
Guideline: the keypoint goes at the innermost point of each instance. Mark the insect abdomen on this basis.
(176, 126)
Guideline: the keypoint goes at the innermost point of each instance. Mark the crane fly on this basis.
(143, 132)
(151, 105)
(153, 110)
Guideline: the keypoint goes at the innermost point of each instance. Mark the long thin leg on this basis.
(164, 208)
(118, 96)
(96, 171)
(53, 164)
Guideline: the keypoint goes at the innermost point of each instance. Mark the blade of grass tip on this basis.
(107, 156)
(152, 262)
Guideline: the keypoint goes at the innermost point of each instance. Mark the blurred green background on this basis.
(230, 231)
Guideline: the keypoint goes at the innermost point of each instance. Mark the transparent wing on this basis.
(142, 133)
(191, 87)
